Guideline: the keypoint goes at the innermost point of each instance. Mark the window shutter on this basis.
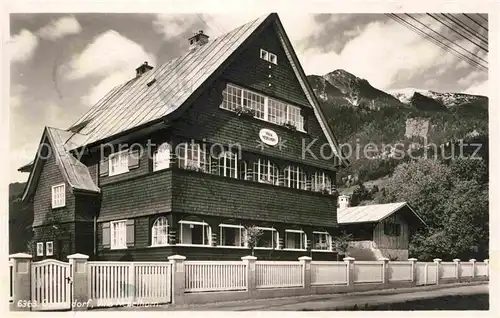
(130, 233)
(106, 235)
(104, 167)
(133, 159)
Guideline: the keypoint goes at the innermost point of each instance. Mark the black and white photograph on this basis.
(248, 160)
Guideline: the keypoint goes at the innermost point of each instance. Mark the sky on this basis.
(61, 64)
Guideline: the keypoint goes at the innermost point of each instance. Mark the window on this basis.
(268, 56)
(268, 239)
(49, 248)
(273, 58)
(192, 156)
(392, 229)
(263, 107)
(243, 170)
(322, 241)
(195, 233)
(118, 163)
(295, 177)
(295, 239)
(39, 249)
(232, 235)
(321, 182)
(58, 195)
(264, 54)
(265, 171)
(161, 158)
(118, 234)
(226, 164)
(159, 232)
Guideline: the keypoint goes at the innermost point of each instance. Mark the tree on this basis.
(341, 243)
(252, 237)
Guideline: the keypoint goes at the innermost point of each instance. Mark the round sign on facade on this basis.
(268, 137)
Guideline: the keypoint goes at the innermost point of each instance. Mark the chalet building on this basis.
(378, 230)
(183, 157)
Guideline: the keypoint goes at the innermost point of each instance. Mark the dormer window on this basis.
(268, 56)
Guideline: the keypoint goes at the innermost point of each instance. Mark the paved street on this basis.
(337, 301)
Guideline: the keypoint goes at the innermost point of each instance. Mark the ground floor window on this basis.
(322, 241)
(118, 234)
(49, 248)
(39, 249)
(268, 239)
(295, 239)
(232, 235)
(159, 232)
(195, 233)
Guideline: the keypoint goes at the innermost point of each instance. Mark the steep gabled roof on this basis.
(75, 173)
(372, 213)
(157, 94)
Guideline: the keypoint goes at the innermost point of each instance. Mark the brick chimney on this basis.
(197, 40)
(343, 201)
(143, 69)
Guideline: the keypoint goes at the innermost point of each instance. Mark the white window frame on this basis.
(224, 161)
(39, 248)
(59, 198)
(275, 238)
(264, 54)
(329, 241)
(319, 182)
(209, 233)
(300, 179)
(121, 158)
(269, 166)
(155, 234)
(242, 235)
(161, 157)
(114, 240)
(231, 101)
(49, 248)
(272, 58)
(303, 240)
(198, 158)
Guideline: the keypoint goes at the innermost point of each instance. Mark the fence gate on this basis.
(51, 285)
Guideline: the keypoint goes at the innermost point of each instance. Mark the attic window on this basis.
(58, 196)
(268, 56)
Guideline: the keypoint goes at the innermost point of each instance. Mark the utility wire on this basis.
(465, 27)
(446, 38)
(440, 44)
(452, 29)
(481, 16)
(475, 21)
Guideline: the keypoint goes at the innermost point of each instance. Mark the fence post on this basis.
(178, 278)
(385, 270)
(305, 261)
(413, 270)
(131, 283)
(457, 269)
(487, 262)
(438, 269)
(80, 297)
(21, 282)
(473, 261)
(350, 270)
(249, 261)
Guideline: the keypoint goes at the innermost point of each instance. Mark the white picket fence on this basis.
(124, 283)
(329, 273)
(202, 276)
(278, 274)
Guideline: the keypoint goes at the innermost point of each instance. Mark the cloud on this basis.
(110, 56)
(59, 28)
(478, 89)
(22, 46)
(172, 26)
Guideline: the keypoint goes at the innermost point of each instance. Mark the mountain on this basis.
(408, 120)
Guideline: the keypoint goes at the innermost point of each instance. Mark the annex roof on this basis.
(371, 213)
